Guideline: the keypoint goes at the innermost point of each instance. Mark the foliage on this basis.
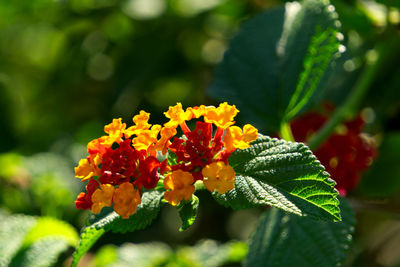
(146, 213)
(68, 67)
(284, 175)
(205, 253)
(272, 72)
(31, 241)
(285, 240)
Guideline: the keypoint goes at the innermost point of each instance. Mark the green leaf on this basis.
(89, 236)
(13, 230)
(43, 252)
(47, 226)
(277, 61)
(31, 241)
(281, 239)
(281, 174)
(188, 212)
(106, 256)
(146, 212)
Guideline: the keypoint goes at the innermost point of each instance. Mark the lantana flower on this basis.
(179, 185)
(126, 199)
(123, 164)
(219, 176)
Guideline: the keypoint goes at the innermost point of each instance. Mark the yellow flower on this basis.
(177, 116)
(141, 123)
(146, 138)
(87, 168)
(126, 199)
(218, 176)
(222, 116)
(197, 112)
(181, 185)
(236, 138)
(115, 132)
(102, 197)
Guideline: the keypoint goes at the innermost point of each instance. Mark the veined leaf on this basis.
(44, 252)
(146, 212)
(188, 212)
(282, 239)
(33, 241)
(277, 61)
(13, 230)
(281, 174)
(89, 236)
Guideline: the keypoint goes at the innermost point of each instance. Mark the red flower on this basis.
(84, 200)
(198, 150)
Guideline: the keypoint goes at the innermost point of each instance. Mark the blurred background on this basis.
(68, 67)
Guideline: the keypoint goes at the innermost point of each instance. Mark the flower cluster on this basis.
(123, 163)
(345, 154)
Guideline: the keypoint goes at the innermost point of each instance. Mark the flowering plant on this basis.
(124, 163)
(272, 76)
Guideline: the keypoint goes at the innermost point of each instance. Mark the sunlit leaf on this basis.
(281, 174)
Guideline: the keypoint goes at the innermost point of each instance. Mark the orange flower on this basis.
(219, 176)
(177, 116)
(236, 138)
(102, 197)
(126, 199)
(222, 116)
(180, 184)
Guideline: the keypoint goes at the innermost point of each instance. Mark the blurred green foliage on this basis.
(69, 67)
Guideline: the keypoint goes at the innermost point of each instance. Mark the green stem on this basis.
(286, 132)
(351, 104)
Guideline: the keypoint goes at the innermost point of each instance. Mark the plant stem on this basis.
(286, 132)
(351, 103)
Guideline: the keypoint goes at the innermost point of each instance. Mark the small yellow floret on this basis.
(126, 199)
(197, 112)
(181, 185)
(176, 116)
(222, 116)
(141, 123)
(146, 138)
(236, 138)
(87, 168)
(218, 176)
(102, 197)
(115, 132)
